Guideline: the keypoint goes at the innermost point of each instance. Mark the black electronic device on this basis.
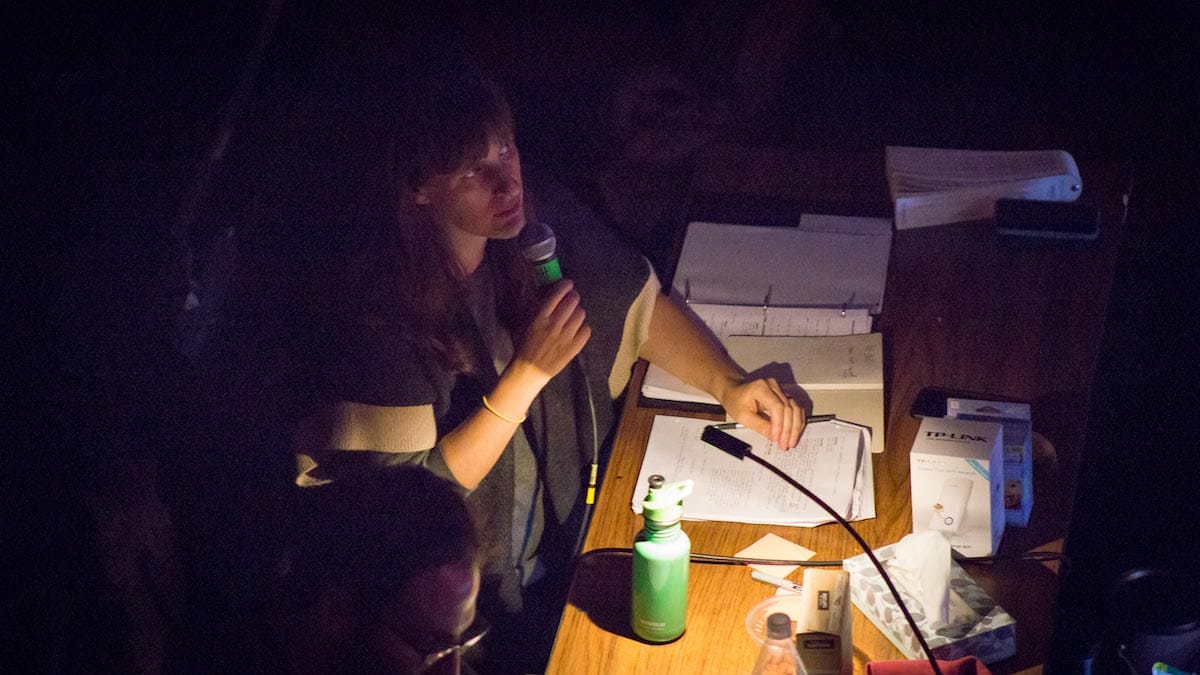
(714, 436)
(931, 401)
(1047, 220)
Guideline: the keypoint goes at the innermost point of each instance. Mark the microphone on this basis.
(538, 245)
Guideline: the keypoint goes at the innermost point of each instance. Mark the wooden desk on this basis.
(961, 310)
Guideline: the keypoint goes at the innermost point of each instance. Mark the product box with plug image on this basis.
(977, 626)
(957, 474)
(1018, 456)
(823, 628)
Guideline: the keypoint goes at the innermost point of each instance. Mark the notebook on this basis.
(796, 303)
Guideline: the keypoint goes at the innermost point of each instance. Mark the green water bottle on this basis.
(661, 553)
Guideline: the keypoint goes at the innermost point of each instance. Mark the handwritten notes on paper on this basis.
(834, 362)
(727, 320)
(813, 363)
(836, 374)
(833, 460)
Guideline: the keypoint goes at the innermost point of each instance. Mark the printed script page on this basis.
(830, 461)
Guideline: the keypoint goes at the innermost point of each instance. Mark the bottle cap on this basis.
(664, 501)
(779, 625)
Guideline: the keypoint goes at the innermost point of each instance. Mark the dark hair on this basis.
(444, 122)
(340, 157)
(372, 533)
(439, 123)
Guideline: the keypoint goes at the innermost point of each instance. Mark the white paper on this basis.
(932, 169)
(732, 323)
(934, 186)
(848, 362)
(814, 365)
(843, 265)
(727, 320)
(832, 460)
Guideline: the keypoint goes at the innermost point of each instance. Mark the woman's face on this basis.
(479, 201)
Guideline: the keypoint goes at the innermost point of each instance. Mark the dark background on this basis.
(113, 111)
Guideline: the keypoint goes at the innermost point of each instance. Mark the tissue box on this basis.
(957, 472)
(1018, 455)
(977, 627)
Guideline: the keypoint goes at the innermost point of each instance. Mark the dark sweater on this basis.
(383, 364)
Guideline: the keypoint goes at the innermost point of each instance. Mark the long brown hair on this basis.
(440, 124)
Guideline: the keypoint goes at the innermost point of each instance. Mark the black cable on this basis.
(1044, 556)
(863, 545)
(713, 559)
(741, 452)
(707, 558)
(589, 501)
(738, 560)
(1039, 556)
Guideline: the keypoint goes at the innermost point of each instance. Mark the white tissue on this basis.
(921, 566)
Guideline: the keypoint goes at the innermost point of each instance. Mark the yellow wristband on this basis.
(501, 415)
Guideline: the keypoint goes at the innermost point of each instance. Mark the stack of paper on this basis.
(934, 186)
(832, 460)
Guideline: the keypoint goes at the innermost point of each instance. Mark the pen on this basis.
(811, 419)
(775, 581)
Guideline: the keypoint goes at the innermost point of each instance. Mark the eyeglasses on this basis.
(469, 638)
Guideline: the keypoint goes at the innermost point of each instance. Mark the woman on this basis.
(463, 366)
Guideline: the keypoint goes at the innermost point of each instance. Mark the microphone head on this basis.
(537, 241)
(537, 244)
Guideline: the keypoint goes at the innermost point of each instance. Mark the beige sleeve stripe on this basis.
(634, 335)
(359, 426)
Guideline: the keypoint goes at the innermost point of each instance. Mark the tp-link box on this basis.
(957, 469)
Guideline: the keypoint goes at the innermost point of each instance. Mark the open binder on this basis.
(836, 262)
(794, 303)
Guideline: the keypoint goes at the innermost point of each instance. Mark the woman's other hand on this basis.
(763, 406)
